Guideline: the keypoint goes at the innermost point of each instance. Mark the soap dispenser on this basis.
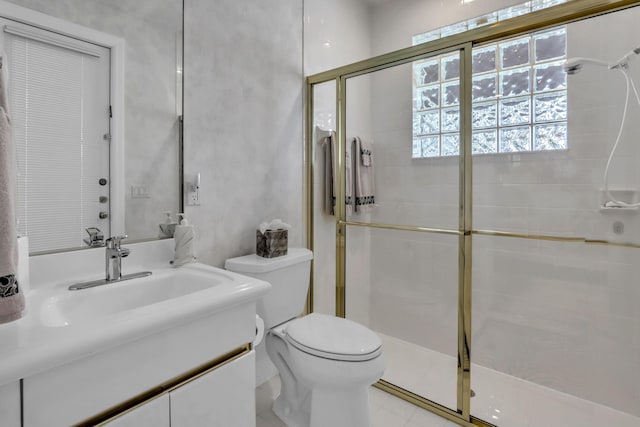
(168, 228)
(185, 242)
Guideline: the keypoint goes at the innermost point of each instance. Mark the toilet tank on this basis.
(289, 278)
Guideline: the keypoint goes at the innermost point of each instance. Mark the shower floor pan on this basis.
(500, 399)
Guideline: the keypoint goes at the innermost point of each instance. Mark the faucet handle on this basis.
(114, 241)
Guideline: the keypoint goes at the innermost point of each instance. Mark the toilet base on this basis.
(320, 392)
(348, 409)
(293, 415)
(265, 369)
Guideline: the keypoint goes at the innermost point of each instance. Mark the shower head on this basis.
(574, 65)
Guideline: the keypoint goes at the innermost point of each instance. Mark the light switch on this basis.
(140, 192)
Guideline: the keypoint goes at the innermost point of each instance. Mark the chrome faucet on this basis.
(113, 264)
(113, 260)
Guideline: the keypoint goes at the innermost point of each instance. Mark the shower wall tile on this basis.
(398, 119)
(243, 121)
(415, 283)
(358, 276)
(324, 279)
(395, 23)
(337, 32)
(561, 301)
(623, 297)
(508, 218)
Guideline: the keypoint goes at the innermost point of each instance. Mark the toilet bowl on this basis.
(326, 363)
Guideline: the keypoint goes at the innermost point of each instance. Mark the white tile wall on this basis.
(396, 22)
(336, 33)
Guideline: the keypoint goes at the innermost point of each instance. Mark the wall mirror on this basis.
(126, 190)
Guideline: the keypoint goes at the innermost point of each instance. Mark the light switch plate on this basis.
(140, 192)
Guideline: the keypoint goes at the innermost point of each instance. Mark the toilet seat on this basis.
(333, 338)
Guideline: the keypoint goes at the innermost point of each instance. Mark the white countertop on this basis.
(28, 346)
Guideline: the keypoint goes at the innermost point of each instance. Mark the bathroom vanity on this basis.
(170, 349)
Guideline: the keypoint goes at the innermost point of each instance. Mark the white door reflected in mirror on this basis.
(60, 111)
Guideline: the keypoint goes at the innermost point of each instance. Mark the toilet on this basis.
(326, 363)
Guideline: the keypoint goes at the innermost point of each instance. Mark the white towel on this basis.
(11, 299)
(366, 156)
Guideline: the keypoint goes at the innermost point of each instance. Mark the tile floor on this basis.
(501, 399)
(386, 410)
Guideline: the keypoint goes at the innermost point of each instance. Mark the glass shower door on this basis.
(401, 221)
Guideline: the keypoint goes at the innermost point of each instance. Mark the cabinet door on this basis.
(152, 414)
(224, 397)
(10, 405)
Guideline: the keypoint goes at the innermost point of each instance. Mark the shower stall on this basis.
(502, 283)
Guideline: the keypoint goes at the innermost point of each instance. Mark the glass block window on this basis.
(519, 92)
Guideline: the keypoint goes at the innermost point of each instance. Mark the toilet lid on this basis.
(333, 338)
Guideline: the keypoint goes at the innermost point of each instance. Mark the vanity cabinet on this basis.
(155, 413)
(170, 349)
(220, 398)
(10, 405)
(185, 363)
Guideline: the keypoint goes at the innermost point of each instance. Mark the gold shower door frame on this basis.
(562, 14)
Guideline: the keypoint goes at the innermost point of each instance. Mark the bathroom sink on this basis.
(166, 286)
(128, 336)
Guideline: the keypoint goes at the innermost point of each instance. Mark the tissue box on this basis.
(271, 244)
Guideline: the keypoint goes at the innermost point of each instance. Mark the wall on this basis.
(395, 22)
(243, 114)
(243, 121)
(559, 314)
(337, 32)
